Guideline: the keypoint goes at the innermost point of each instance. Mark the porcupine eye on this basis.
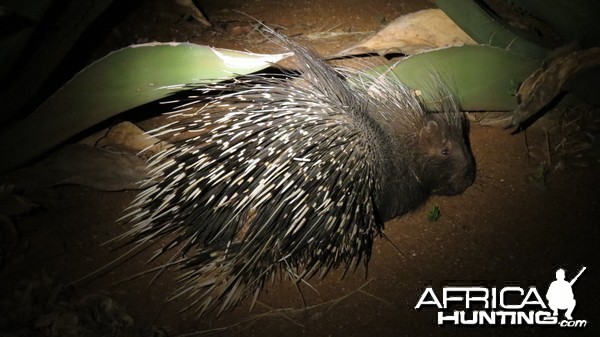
(445, 151)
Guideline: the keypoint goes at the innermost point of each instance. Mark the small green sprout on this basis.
(434, 213)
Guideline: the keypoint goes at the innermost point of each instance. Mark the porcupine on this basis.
(292, 175)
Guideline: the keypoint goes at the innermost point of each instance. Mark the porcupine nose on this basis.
(465, 177)
(468, 177)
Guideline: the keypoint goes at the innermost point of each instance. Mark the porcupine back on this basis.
(283, 174)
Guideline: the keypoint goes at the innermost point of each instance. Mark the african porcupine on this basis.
(294, 175)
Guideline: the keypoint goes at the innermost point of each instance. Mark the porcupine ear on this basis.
(430, 128)
(430, 136)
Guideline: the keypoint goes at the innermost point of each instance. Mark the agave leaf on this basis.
(488, 30)
(120, 81)
(483, 78)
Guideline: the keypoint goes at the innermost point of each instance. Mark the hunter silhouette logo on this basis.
(508, 305)
(560, 294)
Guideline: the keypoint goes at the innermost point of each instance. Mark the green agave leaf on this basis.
(484, 78)
(120, 81)
(485, 29)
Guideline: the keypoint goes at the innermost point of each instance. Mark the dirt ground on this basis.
(509, 229)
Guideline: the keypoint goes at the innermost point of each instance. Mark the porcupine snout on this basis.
(462, 176)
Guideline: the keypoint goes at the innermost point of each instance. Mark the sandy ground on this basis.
(504, 230)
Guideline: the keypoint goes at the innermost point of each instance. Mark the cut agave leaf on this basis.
(483, 78)
(120, 81)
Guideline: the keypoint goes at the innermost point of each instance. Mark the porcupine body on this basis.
(292, 175)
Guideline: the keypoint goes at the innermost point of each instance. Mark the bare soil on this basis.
(507, 229)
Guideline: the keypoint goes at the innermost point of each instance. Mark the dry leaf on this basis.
(411, 34)
(541, 87)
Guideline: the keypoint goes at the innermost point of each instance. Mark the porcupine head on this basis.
(292, 175)
(430, 152)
